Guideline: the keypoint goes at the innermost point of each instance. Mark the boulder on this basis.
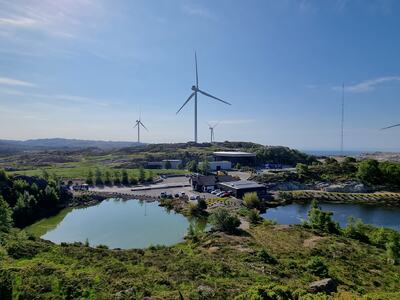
(327, 285)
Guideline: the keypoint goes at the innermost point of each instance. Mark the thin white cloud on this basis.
(18, 22)
(368, 85)
(56, 97)
(198, 12)
(15, 82)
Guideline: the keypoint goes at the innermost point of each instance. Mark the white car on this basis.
(214, 192)
(219, 194)
(194, 197)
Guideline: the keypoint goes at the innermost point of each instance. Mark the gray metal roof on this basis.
(242, 184)
(234, 154)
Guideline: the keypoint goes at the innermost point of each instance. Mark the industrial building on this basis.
(218, 165)
(235, 157)
(241, 187)
(201, 183)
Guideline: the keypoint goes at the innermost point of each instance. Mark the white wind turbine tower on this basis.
(195, 89)
(139, 123)
(212, 131)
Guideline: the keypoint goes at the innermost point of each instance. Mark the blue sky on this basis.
(86, 68)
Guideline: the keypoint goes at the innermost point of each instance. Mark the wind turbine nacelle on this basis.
(194, 88)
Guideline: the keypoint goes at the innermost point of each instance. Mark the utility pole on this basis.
(342, 123)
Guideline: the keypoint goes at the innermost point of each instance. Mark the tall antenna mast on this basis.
(342, 123)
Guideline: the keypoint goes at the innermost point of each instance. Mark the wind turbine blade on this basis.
(211, 96)
(136, 124)
(390, 126)
(143, 125)
(188, 99)
(197, 74)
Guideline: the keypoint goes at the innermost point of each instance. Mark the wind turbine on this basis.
(212, 131)
(390, 126)
(139, 123)
(195, 89)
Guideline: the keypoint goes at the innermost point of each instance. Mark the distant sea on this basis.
(335, 152)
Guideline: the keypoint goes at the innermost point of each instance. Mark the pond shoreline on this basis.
(372, 199)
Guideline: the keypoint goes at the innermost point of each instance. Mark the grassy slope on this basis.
(219, 266)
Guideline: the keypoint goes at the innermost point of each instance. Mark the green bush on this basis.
(356, 229)
(254, 216)
(265, 257)
(321, 220)
(223, 220)
(317, 266)
(251, 200)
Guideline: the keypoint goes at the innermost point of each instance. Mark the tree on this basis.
(117, 178)
(98, 177)
(205, 167)
(6, 220)
(107, 178)
(321, 220)
(150, 175)
(3, 175)
(222, 220)
(142, 175)
(238, 166)
(168, 165)
(125, 177)
(191, 166)
(89, 177)
(202, 204)
(369, 172)
(251, 200)
(45, 174)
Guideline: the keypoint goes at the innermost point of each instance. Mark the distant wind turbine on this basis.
(195, 89)
(390, 126)
(212, 131)
(139, 123)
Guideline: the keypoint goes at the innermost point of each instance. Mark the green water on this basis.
(115, 223)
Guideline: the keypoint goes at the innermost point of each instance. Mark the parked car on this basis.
(225, 194)
(176, 195)
(194, 197)
(214, 192)
(163, 194)
(219, 194)
(182, 194)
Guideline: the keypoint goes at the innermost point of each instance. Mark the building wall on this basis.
(218, 165)
(244, 161)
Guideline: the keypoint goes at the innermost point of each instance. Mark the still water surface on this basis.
(117, 224)
(375, 215)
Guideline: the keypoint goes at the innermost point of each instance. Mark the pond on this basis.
(375, 215)
(115, 223)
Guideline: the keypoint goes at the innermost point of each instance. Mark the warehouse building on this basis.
(241, 187)
(218, 165)
(235, 157)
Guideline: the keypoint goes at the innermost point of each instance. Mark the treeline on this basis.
(118, 177)
(27, 199)
(370, 171)
(280, 155)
